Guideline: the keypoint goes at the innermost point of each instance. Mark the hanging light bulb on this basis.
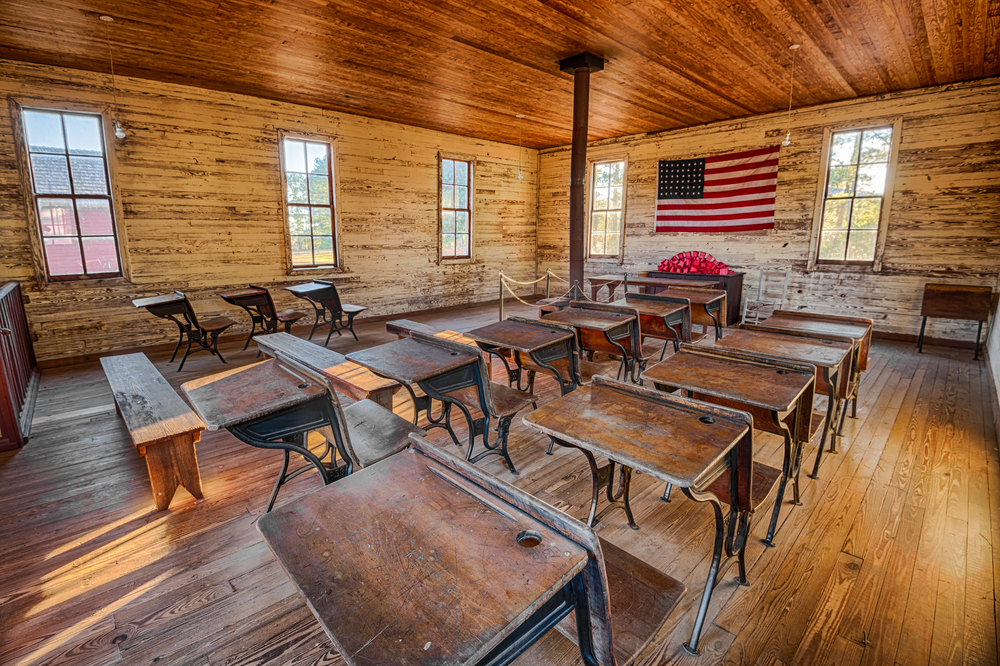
(791, 86)
(119, 132)
(520, 126)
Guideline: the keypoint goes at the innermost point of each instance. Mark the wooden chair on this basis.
(627, 344)
(268, 317)
(477, 391)
(771, 290)
(334, 313)
(363, 433)
(627, 601)
(205, 333)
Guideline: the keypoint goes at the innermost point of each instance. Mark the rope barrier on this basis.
(510, 279)
(511, 292)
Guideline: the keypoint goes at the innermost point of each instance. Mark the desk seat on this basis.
(375, 432)
(765, 479)
(507, 401)
(289, 316)
(216, 324)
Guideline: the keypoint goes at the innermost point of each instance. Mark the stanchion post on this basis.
(501, 296)
(548, 273)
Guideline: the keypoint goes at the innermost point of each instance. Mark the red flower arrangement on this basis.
(694, 262)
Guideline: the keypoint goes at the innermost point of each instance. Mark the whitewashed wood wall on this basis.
(945, 223)
(198, 176)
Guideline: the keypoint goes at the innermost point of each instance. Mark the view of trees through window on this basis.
(855, 188)
(456, 208)
(606, 203)
(72, 194)
(309, 197)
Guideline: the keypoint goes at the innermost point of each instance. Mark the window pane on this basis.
(323, 246)
(462, 222)
(861, 246)
(298, 220)
(844, 148)
(295, 156)
(322, 224)
(871, 179)
(599, 221)
(841, 183)
(63, 255)
(597, 244)
(461, 172)
(319, 189)
(462, 245)
(617, 171)
(837, 214)
(99, 252)
(614, 222)
(88, 175)
(51, 174)
(316, 157)
(616, 198)
(448, 222)
(600, 198)
(832, 245)
(875, 145)
(56, 217)
(45, 134)
(84, 135)
(611, 244)
(461, 197)
(95, 217)
(866, 213)
(297, 188)
(447, 171)
(447, 196)
(448, 245)
(301, 250)
(602, 175)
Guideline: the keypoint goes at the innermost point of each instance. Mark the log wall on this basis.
(198, 178)
(945, 215)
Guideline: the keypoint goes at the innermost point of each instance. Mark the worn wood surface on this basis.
(660, 316)
(612, 282)
(955, 301)
(429, 573)
(347, 377)
(857, 328)
(594, 320)
(411, 361)
(517, 335)
(160, 424)
(826, 354)
(93, 576)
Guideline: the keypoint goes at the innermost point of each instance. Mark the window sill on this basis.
(458, 261)
(89, 282)
(859, 269)
(318, 270)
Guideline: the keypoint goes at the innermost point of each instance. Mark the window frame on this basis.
(471, 159)
(591, 183)
(334, 183)
(39, 259)
(875, 264)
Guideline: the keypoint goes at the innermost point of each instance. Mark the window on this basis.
(607, 208)
(456, 208)
(309, 199)
(71, 194)
(858, 174)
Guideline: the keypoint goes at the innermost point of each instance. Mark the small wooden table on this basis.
(439, 571)
(349, 378)
(708, 306)
(659, 317)
(955, 301)
(268, 406)
(599, 331)
(542, 345)
(685, 443)
(613, 281)
(778, 394)
(832, 360)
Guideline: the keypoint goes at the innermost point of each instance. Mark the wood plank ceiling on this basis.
(470, 67)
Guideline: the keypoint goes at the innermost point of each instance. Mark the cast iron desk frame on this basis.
(541, 343)
(251, 300)
(831, 376)
(438, 368)
(592, 408)
(612, 326)
(170, 306)
(659, 312)
(711, 301)
(747, 382)
(317, 293)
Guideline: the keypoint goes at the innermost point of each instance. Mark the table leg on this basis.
(979, 333)
(713, 573)
(832, 412)
(173, 463)
(787, 464)
(920, 340)
(604, 478)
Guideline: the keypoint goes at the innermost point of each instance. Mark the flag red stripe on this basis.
(743, 155)
(707, 218)
(744, 167)
(718, 206)
(722, 194)
(739, 179)
(733, 227)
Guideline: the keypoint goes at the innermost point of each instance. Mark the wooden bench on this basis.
(162, 426)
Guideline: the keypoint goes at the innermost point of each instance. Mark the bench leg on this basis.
(173, 463)
(383, 397)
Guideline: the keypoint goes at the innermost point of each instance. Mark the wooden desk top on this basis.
(640, 429)
(518, 335)
(650, 307)
(956, 301)
(330, 364)
(817, 324)
(237, 294)
(430, 573)
(702, 297)
(157, 300)
(309, 288)
(410, 360)
(723, 374)
(818, 352)
(243, 394)
(150, 407)
(595, 320)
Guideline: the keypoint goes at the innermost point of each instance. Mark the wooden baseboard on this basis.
(90, 358)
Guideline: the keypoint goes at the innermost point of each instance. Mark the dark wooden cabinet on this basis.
(731, 283)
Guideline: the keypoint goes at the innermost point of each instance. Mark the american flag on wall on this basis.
(732, 192)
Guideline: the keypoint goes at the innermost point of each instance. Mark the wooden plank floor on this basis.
(893, 558)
